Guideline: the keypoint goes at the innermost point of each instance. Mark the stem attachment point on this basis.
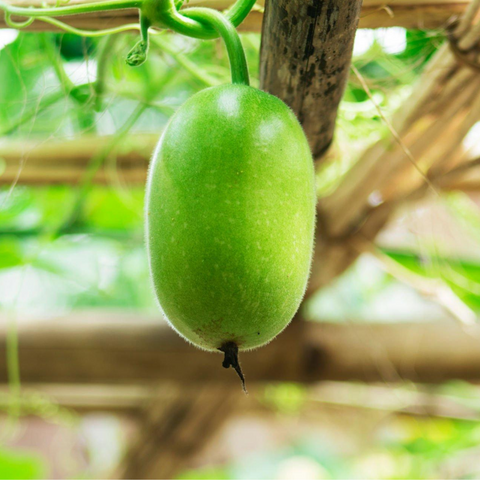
(230, 349)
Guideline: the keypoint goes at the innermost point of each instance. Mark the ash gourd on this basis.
(230, 204)
(230, 213)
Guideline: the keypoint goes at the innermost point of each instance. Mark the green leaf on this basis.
(21, 465)
(20, 71)
(10, 253)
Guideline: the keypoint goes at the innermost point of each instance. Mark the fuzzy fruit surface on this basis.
(230, 214)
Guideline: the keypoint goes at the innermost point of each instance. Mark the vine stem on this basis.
(195, 29)
(70, 9)
(236, 14)
(103, 57)
(89, 33)
(224, 27)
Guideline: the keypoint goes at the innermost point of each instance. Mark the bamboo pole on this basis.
(305, 60)
(120, 349)
(65, 162)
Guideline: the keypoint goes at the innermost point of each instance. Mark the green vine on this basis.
(236, 54)
(103, 58)
(89, 33)
(203, 23)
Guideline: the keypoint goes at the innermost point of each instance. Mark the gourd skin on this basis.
(230, 214)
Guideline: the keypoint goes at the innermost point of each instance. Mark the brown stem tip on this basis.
(231, 360)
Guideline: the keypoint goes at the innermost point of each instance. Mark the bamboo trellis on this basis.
(423, 154)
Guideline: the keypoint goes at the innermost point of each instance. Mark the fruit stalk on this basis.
(230, 349)
(226, 30)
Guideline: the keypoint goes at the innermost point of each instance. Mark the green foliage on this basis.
(287, 398)
(73, 47)
(21, 67)
(17, 464)
(400, 447)
(10, 253)
(461, 276)
(107, 267)
(205, 474)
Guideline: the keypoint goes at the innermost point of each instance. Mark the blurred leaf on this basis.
(106, 209)
(20, 70)
(205, 474)
(463, 277)
(10, 253)
(286, 397)
(21, 465)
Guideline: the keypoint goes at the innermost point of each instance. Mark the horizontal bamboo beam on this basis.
(409, 400)
(30, 162)
(413, 14)
(116, 348)
(137, 400)
(81, 398)
(424, 14)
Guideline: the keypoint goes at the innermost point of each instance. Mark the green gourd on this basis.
(230, 216)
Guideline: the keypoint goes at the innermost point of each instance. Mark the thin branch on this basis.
(394, 133)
